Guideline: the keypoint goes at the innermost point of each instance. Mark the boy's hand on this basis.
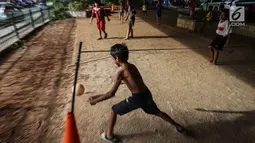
(92, 102)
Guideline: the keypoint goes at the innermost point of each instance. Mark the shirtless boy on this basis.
(141, 96)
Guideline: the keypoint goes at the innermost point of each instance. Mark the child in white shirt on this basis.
(222, 33)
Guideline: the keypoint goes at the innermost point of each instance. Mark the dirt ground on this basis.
(216, 104)
(34, 84)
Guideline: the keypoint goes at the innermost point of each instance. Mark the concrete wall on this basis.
(247, 30)
(186, 22)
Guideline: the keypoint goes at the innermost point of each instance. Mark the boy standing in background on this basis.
(100, 18)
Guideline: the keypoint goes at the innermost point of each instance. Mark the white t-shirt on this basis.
(224, 28)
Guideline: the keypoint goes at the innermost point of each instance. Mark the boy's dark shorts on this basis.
(218, 42)
(131, 23)
(122, 13)
(142, 100)
(158, 12)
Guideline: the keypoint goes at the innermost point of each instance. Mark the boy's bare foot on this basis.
(211, 61)
(131, 37)
(99, 38)
(126, 38)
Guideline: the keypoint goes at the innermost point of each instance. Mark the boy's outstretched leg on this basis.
(211, 53)
(131, 33)
(216, 55)
(112, 122)
(167, 118)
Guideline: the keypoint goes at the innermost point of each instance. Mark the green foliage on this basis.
(77, 6)
(110, 2)
(53, 1)
(59, 11)
(58, 5)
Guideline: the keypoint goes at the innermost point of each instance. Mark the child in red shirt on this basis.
(100, 17)
(192, 8)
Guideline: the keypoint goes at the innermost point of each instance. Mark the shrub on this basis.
(59, 12)
(77, 6)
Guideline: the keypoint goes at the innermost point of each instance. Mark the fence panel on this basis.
(17, 30)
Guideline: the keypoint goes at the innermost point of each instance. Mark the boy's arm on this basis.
(109, 94)
(91, 19)
(92, 16)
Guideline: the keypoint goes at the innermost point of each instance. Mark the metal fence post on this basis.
(14, 25)
(42, 14)
(32, 19)
(48, 12)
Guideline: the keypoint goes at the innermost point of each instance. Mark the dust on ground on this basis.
(35, 85)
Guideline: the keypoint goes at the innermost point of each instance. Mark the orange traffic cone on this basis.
(71, 132)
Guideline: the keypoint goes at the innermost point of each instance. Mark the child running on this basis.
(121, 12)
(158, 11)
(100, 18)
(131, 22)
(141, 96)
(222, 34)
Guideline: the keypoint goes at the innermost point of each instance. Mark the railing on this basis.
(29, 20)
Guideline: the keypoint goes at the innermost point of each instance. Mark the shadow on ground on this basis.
(238, 129)
(234, 130)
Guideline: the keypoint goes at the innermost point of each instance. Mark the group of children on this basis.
(141, 97)
(100, 14)
(223, 31)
